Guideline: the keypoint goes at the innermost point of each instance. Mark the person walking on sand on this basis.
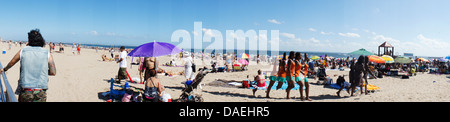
(366, 72)
(79, 48)
(9, 44)
(122, 74)
(355, 74)
(74, 47)
(36, 64)
(290, 73)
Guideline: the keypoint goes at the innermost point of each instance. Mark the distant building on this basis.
(411, 55)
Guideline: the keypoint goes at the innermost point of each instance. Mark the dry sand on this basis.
(82, 78)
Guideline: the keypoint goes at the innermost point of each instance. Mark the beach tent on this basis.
(402, 60)
(376, 59)
(361, 51)
(388, 59)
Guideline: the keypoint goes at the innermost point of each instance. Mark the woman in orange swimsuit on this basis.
(298, 72)
(282, 72)
(290, 73)
(305, 67)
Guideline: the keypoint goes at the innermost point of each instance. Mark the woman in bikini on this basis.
(153, 88)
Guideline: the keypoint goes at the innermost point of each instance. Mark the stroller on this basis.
(187, 94)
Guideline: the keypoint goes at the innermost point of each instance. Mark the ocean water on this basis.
(250, 52)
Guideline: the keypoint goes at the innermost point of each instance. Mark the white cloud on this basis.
(274, 21)
(314, 40)
(349, 34)
(434, 43)
(111, 34)
(382, 38)
(93, 33)
(288, 35)
(312, 29)
(325, 33)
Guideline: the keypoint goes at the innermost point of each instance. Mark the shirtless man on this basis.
(147, 65)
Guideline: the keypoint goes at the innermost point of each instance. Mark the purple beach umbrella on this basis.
(154, 49)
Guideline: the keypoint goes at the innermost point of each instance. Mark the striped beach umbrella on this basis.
(422, 59)
(244, 56)
(376, 59)
(388, 59)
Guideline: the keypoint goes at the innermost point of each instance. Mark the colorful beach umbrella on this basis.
(376, 59)
(315, 58)
(443, 60)
(361, 51)
(243, 61)
(244, 56)
(388, 59)
(448, 57)
(155, 49)
(422, 59)
(402, 60)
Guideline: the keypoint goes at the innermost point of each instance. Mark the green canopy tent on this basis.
(361, 51)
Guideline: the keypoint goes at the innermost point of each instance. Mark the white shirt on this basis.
(123, 63)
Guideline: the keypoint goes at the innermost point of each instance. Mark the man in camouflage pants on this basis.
(36, 64)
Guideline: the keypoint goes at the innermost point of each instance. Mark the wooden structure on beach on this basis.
(386, 50)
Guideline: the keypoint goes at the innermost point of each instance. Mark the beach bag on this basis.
(126, 97)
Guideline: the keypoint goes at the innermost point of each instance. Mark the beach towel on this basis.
(274, 87)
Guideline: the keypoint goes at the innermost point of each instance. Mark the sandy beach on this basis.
(83, 78)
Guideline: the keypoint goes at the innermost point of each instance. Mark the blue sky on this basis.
(421, 27)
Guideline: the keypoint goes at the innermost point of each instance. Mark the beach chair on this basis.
(116, 94)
